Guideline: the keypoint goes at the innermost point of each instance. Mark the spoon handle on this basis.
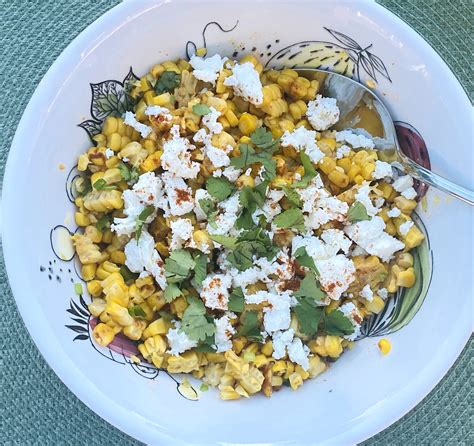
(437, 181)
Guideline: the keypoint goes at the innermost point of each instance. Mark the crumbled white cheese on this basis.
(227, 217)
(178, 340)
(322, 113)
(303, 139)
(181, 232)
(276, 316)
(394, 212)
(270, 208)
(335, 241)
(382, 170)
(217, 156)
(383, 293)
(142, 255)
(143, 129)
(342, 151)
(326, 209)
(180, 195)
(335, 275)
(299, 353)
(224, 332)
(210, 121)
(109, 153)
(148, 191)
(176, 157)
(215, 291)
(358, 251)
(405, 227)
(362, 195)
(231, 173)
(201, 194)
(367, 293)
(281, 340)
(207, 70)
(409, 193)
(356, 140)
(245, 81)
(403, 183)
(349, 310)
(370, 235)
(379, 201)
(156, 110)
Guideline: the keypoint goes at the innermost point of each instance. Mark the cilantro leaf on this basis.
(250, 198)
(137, 312)
(127, 274)
(291, 218)
(201, 109)
(104, 222)
(242, 257)
(304, 259)
(178, 266)
(172, 292)
(308, 316)
(309, 171)
(219, 188)
(358, 212)
(224, 240)
(194, 322)
(209, 208)
(292, 196)
(236, 300)
(249, 156)
(128, 173)
(337, 324)
(167, 82)
(200, 269)
(250, 328)
(309, 288)
(141, 220)
(263, 139)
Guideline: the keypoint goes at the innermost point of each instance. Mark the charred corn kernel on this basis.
(270, 93)
(358, 179)
(413, 238)
(316, 366)
(238, 344)
(119, 314)
(404, 259)
(245, 180)
(222, 140)
(345, 163)
(152, 162)
(406, 278)
(286, 78)
(276, 108)
(367, 170)
(81, 219)
(94, 287)
(338, 178)
(162, 99)
(118, 257)
(158, 327)
(103, 334)
(327, 165)
(162, 248)
(155, 344)
(376, 305)
(295, 380)
(286, 125)
(225, 123)
(385, 346)
(82, 162)
(150, 146)
(304, 123)
(231, 118)
(405, 205)
(290, 152)
(260, 360)
(228, 393)
(247, 123)
(97, 306)
(252, 380)
(156, 301)
(88, 271)
(134, 331)
(178, 306)
(297, 109)
(184, 363)
(299, 88)
(267, 348)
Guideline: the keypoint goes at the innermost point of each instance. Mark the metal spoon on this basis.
(361, 110)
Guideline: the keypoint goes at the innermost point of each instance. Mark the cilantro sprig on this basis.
(249, 156)
(236, 300)
(129, 173)
(167, 82)
(201, 109)
(290, 219)
(250, 198)
(263, 139)
(357, 212)
(209, 208)
(195, 323)
(104, 222)
(337, 324)
(304, 259)
(219, 188)
(309, 172)
(251, 327)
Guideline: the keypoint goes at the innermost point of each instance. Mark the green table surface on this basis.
(35, 406)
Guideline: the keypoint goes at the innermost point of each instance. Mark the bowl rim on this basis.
(75, 379)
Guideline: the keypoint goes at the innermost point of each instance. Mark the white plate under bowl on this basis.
(363, 392)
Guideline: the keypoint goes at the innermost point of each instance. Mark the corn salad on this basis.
(231, 232)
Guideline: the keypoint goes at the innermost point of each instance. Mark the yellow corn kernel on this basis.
(156, 344)
(96, 176)
(171, 66)
(158, 327)
(413, 238)
(286, 125)
(157, 70)
(178, 306)
(385, 346)
(353, 171)
(82, 162)
(260, 360)
(295, 380)
(333, 346)
(100, 139)
(277, 381)
(134, 331)
(270, 92)
(105, 269)
(119, 314)
(152, 162)
(386, 189)
(302, 372)
(279, 182)
(279, 366)
(88, 271)
(276, 108)
(103, 334)
(360, 157)
(405, 205)
(376, 305)
(297, 109)
(215, 358)
(81, 219)
(201, 52)
(345, 163)
(327, 165)
(162, 99)
(290, 152)
(390, 228)
(228, 393)
(202, 239)
(404, 260)
(118, 257)
(327, 145)
(247, 123)
(238, 344)
(254, 61)
(114, 141)
(316, 366)
(299, 88)
(340, 179)
(94, 288)
(267, 348)
(367, 170)
(245, 180)
(97, 306)
(184, 363)
(110, 125)
(359, 179)
(231, 118)
(406, 278)
(222, 140)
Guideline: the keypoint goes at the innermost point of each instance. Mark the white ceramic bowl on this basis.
(363, 392)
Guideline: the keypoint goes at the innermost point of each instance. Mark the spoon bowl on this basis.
(364, 112)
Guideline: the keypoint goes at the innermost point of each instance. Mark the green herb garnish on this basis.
(178, 266)
(167, 82)
(200, 268)
(291, 218)
(203, 387)
(141, 220)
(172, 292)
(201, 109)
(292, 196)
(308, 316)
(357, 212)
(209, 208)
(137, 312)
(127, 274)
(219, 188)
(263, 139)
(250, 198)
(309, 287)
(225, 240)
(304, 259)
(78, 288)
(236, 300)
(249, 156)
(104, 222)
(309, 172)
(337, 324)
(128, 173)
(194, 322)
(250, 327)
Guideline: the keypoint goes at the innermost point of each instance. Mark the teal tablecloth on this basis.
(35, 407)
